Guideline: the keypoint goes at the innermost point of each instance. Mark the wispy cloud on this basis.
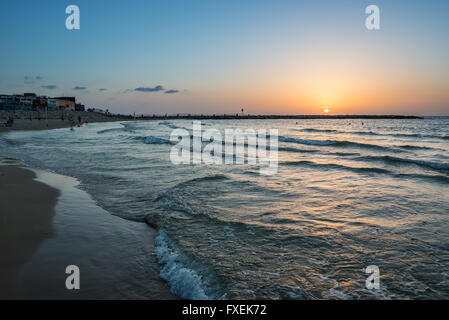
(78, 88)
(49, 87)
(31, 79)
(171, 91)
(102, 89)
(147, 89)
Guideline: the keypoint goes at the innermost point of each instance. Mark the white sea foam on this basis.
(184, 281)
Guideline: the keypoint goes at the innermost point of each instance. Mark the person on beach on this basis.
(62, 116)
(10, 122)
(79, 120)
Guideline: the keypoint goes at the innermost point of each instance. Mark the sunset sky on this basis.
(218, 56)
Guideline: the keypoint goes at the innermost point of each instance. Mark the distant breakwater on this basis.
(259, 117)
(104, 117)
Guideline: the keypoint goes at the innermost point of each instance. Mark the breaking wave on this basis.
(187, 279)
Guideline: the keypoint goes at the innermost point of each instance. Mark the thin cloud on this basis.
(172, 91)
(102, 89)
(78, 88)
(146, 89)
(49, 87)
(31, 79)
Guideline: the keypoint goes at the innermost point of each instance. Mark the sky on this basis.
(219, 56)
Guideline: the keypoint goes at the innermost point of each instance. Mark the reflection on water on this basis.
(348, 194)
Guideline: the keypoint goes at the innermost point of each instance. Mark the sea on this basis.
(347, 194)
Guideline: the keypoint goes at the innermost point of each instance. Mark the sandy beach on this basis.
(27, 208)
(29, 120)
(48, 224)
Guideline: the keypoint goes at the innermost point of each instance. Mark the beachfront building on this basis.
(33, 102)
(66, 103)
(17, 102)
(52, 104)
(3, 98)
(40, 104)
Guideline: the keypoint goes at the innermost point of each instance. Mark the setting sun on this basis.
(326, 110)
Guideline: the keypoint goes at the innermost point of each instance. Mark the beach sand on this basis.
(36, 125)
(22, 121)
(26, 208)
(47, 224)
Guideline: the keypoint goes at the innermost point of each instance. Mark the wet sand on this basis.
(26, 211)
(47, 224)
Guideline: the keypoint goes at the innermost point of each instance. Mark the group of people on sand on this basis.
(8, 123)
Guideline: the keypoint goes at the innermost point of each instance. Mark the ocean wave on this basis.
(334, 143)
(187, 279)
(154, 140)
(173, 194)
(367, 170)
(335, 166)
(287, 149)
(313, 130)
(439, 166)
(411, 147)
(371, 133)
(307, 142)
(170, 125)
(110, 130)
(213, 177)
(318, 130)
(435, 178)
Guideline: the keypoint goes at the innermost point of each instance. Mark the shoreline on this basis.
(22, 120)
(22, 233)
(23, 123)
(47, 224)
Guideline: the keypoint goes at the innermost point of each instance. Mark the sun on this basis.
(326, 110)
